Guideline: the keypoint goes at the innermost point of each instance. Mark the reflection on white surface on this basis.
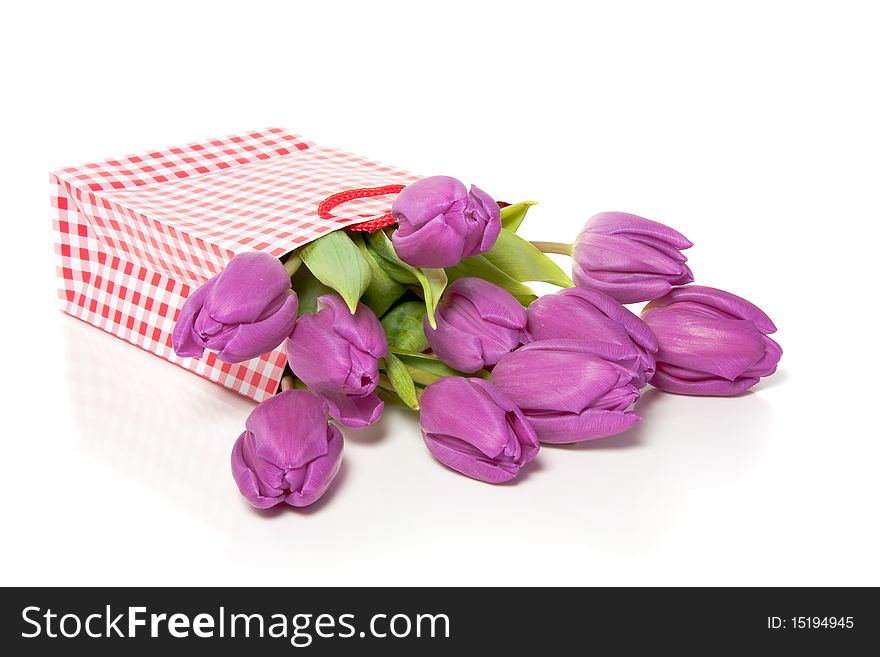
(159, 425)
(170, 432)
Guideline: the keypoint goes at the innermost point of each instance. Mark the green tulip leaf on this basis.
(308, 289)
(425, 368)
(386, 257)
(401, 381)
(383, 290)
(403, 326)
(523, 261)
(432, 281)
(480, 267)
(338, 263)
(512, 216)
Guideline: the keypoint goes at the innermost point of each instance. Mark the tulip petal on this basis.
(524, 433)
(363, 376)
(711, 342)
(477, 323)
(362, 329)
(632, 290)
(470, 408)
(575, 316)
(576, 427)
(613, 223)
(276, 418)
(335, 351)
(723, 347)
(288, 451)
(645, 370)
(665, 380)
(422, 201)
(767, 365)
(617, 399)
(184, 340)
(660, 245)
(463, 458)
(437, 244)
(729, 304)
(491, 228)
(247, 288)
(591, 316)
(355, 412)
(464, 410)
(615, 253)
(252, 340)
(317, 354)
(631, 363)
(619, 355)
(630, 258)
(489, 302)
(246, 479)
(472, 427)
(455, 347)
(319, 473)
(494, 340)
(439, 222)
(637, 330)
(568, 381)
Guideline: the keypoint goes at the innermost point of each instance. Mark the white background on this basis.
(751, 128)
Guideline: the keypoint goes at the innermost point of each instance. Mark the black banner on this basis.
(420, 621)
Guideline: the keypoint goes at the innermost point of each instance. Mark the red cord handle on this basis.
(326, 207)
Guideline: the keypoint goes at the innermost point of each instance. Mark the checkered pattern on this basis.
(136, 234)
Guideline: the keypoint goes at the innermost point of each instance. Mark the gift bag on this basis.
(135, 234)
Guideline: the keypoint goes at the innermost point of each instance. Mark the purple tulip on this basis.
(472, 427)
(243, 312)
(593, 316)
(288, 451)
(440, 222)
(711, 342)
(571, 391)
(630, 258)
(336, 354)
(477, 323)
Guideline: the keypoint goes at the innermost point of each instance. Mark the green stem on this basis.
(421, 377)
(554, 247)
(290, 382)
(292, 264)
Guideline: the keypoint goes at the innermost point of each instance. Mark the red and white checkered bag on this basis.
(136, 234)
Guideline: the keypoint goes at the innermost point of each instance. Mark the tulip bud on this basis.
(570, 391)
(477, 323)
(711, 342)
(336, 354)
(243, 312)
(440, 222)
(472, 427)
(629, 258)
(592, 316)
(288, 451)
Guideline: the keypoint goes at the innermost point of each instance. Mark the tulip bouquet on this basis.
(429, 307)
